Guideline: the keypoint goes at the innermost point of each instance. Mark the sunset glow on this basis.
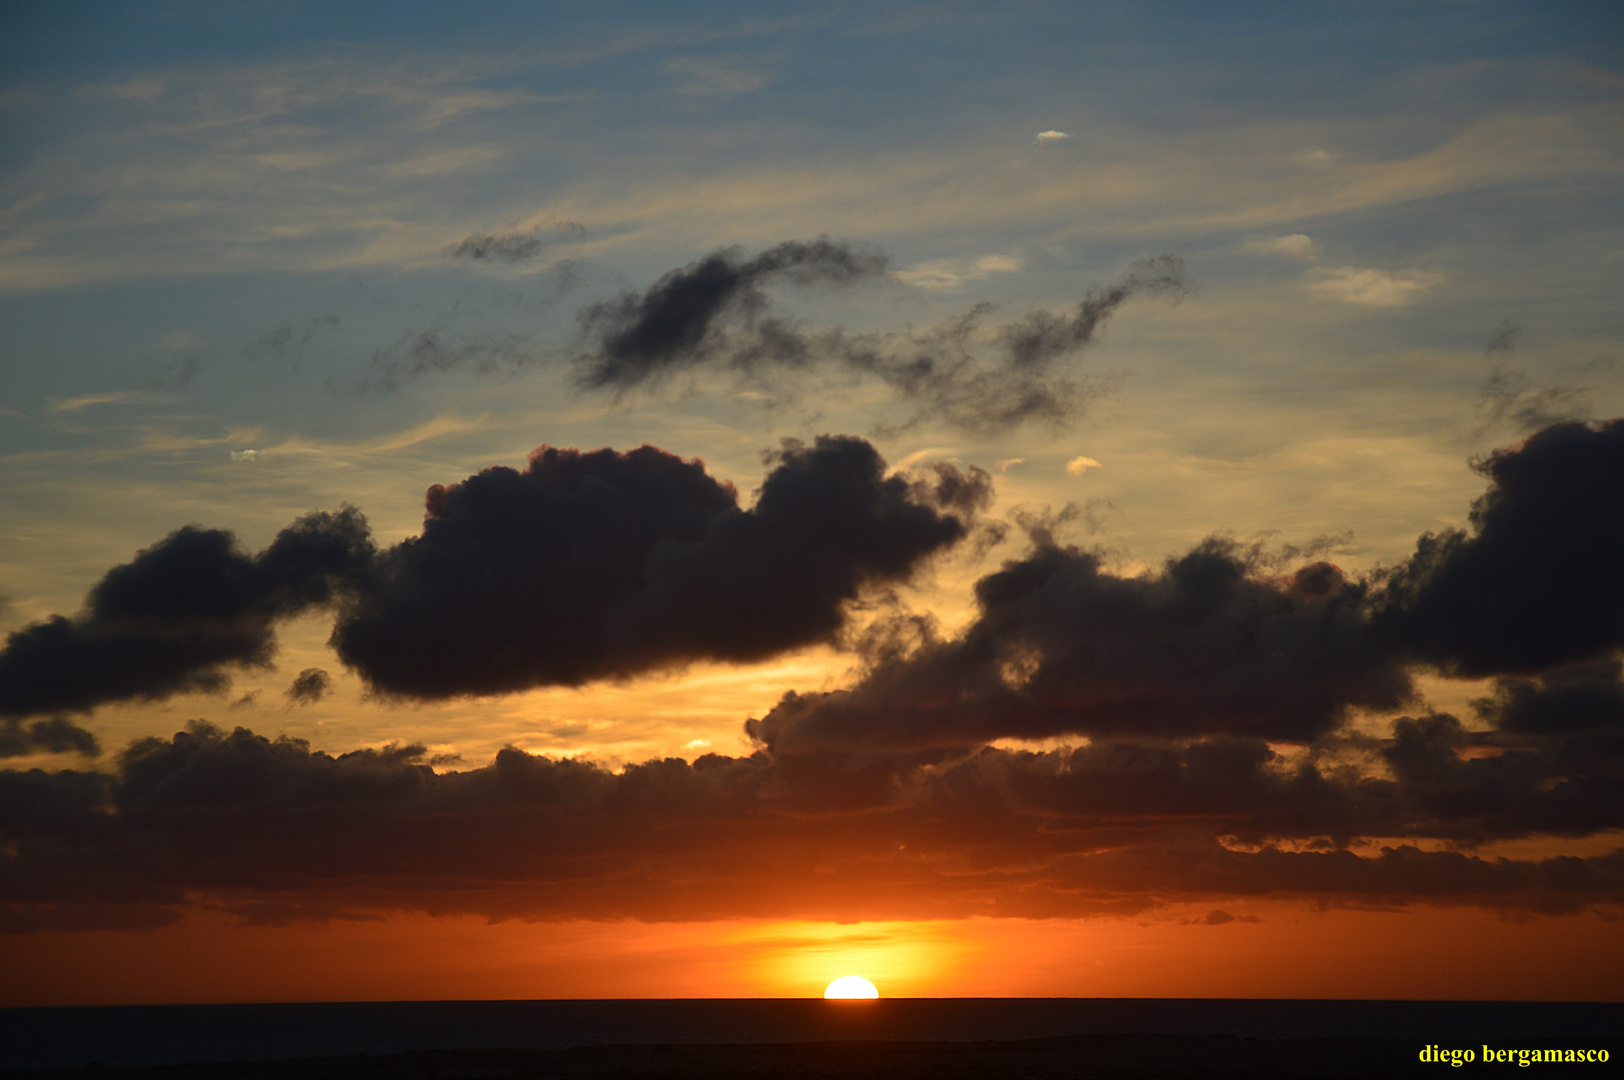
(684, 501)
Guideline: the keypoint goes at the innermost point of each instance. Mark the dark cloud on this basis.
(715, 313)
(1573, 698)
(244, 823)
(499, 247)
(1538, 581)
(1505, 787)
(1062, 646)
(310, 686)
(1505, 339)
(682, 321)
(440, 349)
(55, 735)
(171, 373)
(511, 246)
(293, 341)
(1509, 395)
(1041, 337)
(584, 566)
(598, 565)
(1222, 642)
(1212, 691)
(175, 617)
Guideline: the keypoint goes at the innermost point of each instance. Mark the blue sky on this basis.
(229, 225)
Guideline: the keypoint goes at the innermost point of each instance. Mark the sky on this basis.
(651, 500)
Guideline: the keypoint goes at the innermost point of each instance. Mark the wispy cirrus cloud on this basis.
(716, 77)
(111, 397)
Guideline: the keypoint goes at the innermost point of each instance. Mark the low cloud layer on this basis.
(273, 832)
(1209, 701)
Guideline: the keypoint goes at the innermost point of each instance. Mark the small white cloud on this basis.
(1052, 136)
(1077, 466)
(947, 275)
(697, 744)
(1316, 158)
(1009, 463)
(245, 455)
(1372, 287)
(1294, 246)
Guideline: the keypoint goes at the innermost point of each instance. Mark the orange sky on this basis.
(1289, 951)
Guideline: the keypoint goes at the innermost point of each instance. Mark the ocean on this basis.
(158, 1035)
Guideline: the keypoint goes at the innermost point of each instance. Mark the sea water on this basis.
(68, 1038)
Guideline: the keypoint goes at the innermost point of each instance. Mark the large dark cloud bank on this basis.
(1207, 706)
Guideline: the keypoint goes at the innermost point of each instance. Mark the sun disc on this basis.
(851, 986)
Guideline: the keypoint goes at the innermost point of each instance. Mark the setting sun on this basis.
(851, 986)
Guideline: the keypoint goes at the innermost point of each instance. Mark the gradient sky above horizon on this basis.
(260, 259)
